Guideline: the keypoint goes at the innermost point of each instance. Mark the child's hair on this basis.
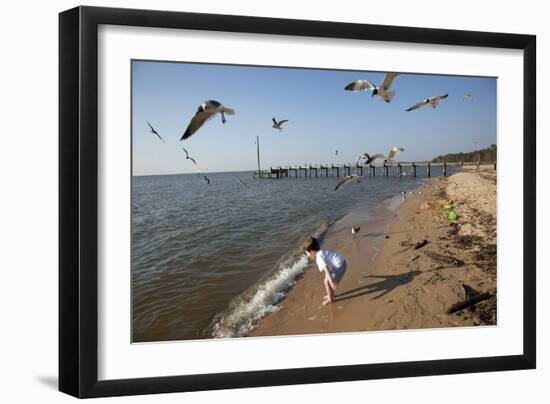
(311, 244)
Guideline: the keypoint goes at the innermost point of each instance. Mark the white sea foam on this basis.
(244, 314)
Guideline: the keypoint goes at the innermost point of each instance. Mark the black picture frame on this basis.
(78, 201)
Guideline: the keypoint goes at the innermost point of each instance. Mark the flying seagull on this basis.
(189, 158)
(278, 125)
(155, 132)
(206, 111)
(242, 182)
(433, 101)
(336, 152)
(381, 91)
(468, 97)
(369, 159)
(393, 152)
(346, 179)
(206, 179)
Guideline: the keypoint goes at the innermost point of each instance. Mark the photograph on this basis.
(271, 201)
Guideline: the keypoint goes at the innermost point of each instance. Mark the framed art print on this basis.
(238, 193)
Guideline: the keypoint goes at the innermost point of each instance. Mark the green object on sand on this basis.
(447, 206)
(452, 216)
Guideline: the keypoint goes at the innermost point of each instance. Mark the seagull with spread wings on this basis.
(368, 158)
(347, 179)
(187, 156)
(382, 90)
(394, 152)
(155, 132)
(206, 111)
(433, 101)
(242, 182)
(278, 125)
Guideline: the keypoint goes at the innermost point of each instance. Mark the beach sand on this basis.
(390, 284)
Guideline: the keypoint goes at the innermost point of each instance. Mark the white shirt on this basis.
(325, 258)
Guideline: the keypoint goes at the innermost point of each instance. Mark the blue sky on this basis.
(323, 117)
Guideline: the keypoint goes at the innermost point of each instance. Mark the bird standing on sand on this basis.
(206, 179)
(393, 152)
(355, 229)
(369, 159)
(187, 156)
(155, 132)
(381, 91)
(278, 125)
(347, 179)
(433, 101)
(206, 111)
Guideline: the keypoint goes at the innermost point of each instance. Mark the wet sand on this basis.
(396, 280)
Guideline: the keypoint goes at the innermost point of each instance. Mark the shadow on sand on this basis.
(384, 286)
(375, 234)
(443, 226)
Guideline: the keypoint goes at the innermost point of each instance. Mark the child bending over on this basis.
(331, 264)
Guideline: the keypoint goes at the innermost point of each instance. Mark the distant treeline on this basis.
(484, 155)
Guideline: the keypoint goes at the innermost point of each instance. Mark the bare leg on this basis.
(329, 298)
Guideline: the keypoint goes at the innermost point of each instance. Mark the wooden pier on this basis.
(371, 170)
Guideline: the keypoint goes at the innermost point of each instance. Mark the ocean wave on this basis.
(244, 313)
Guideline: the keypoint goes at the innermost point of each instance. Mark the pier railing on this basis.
(371, 170)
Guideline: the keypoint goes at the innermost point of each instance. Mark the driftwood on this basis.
(470, 292)
(472, 298)
(445, 259)
(417, 245)
(420, 244)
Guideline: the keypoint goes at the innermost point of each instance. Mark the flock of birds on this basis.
(206, 111)
(210, 108)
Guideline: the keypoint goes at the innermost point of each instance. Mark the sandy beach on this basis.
(408, 268)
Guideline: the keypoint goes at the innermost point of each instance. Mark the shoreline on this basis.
(248, 309)
(390, 284)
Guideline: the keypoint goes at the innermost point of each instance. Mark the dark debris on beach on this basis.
(483, 254)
